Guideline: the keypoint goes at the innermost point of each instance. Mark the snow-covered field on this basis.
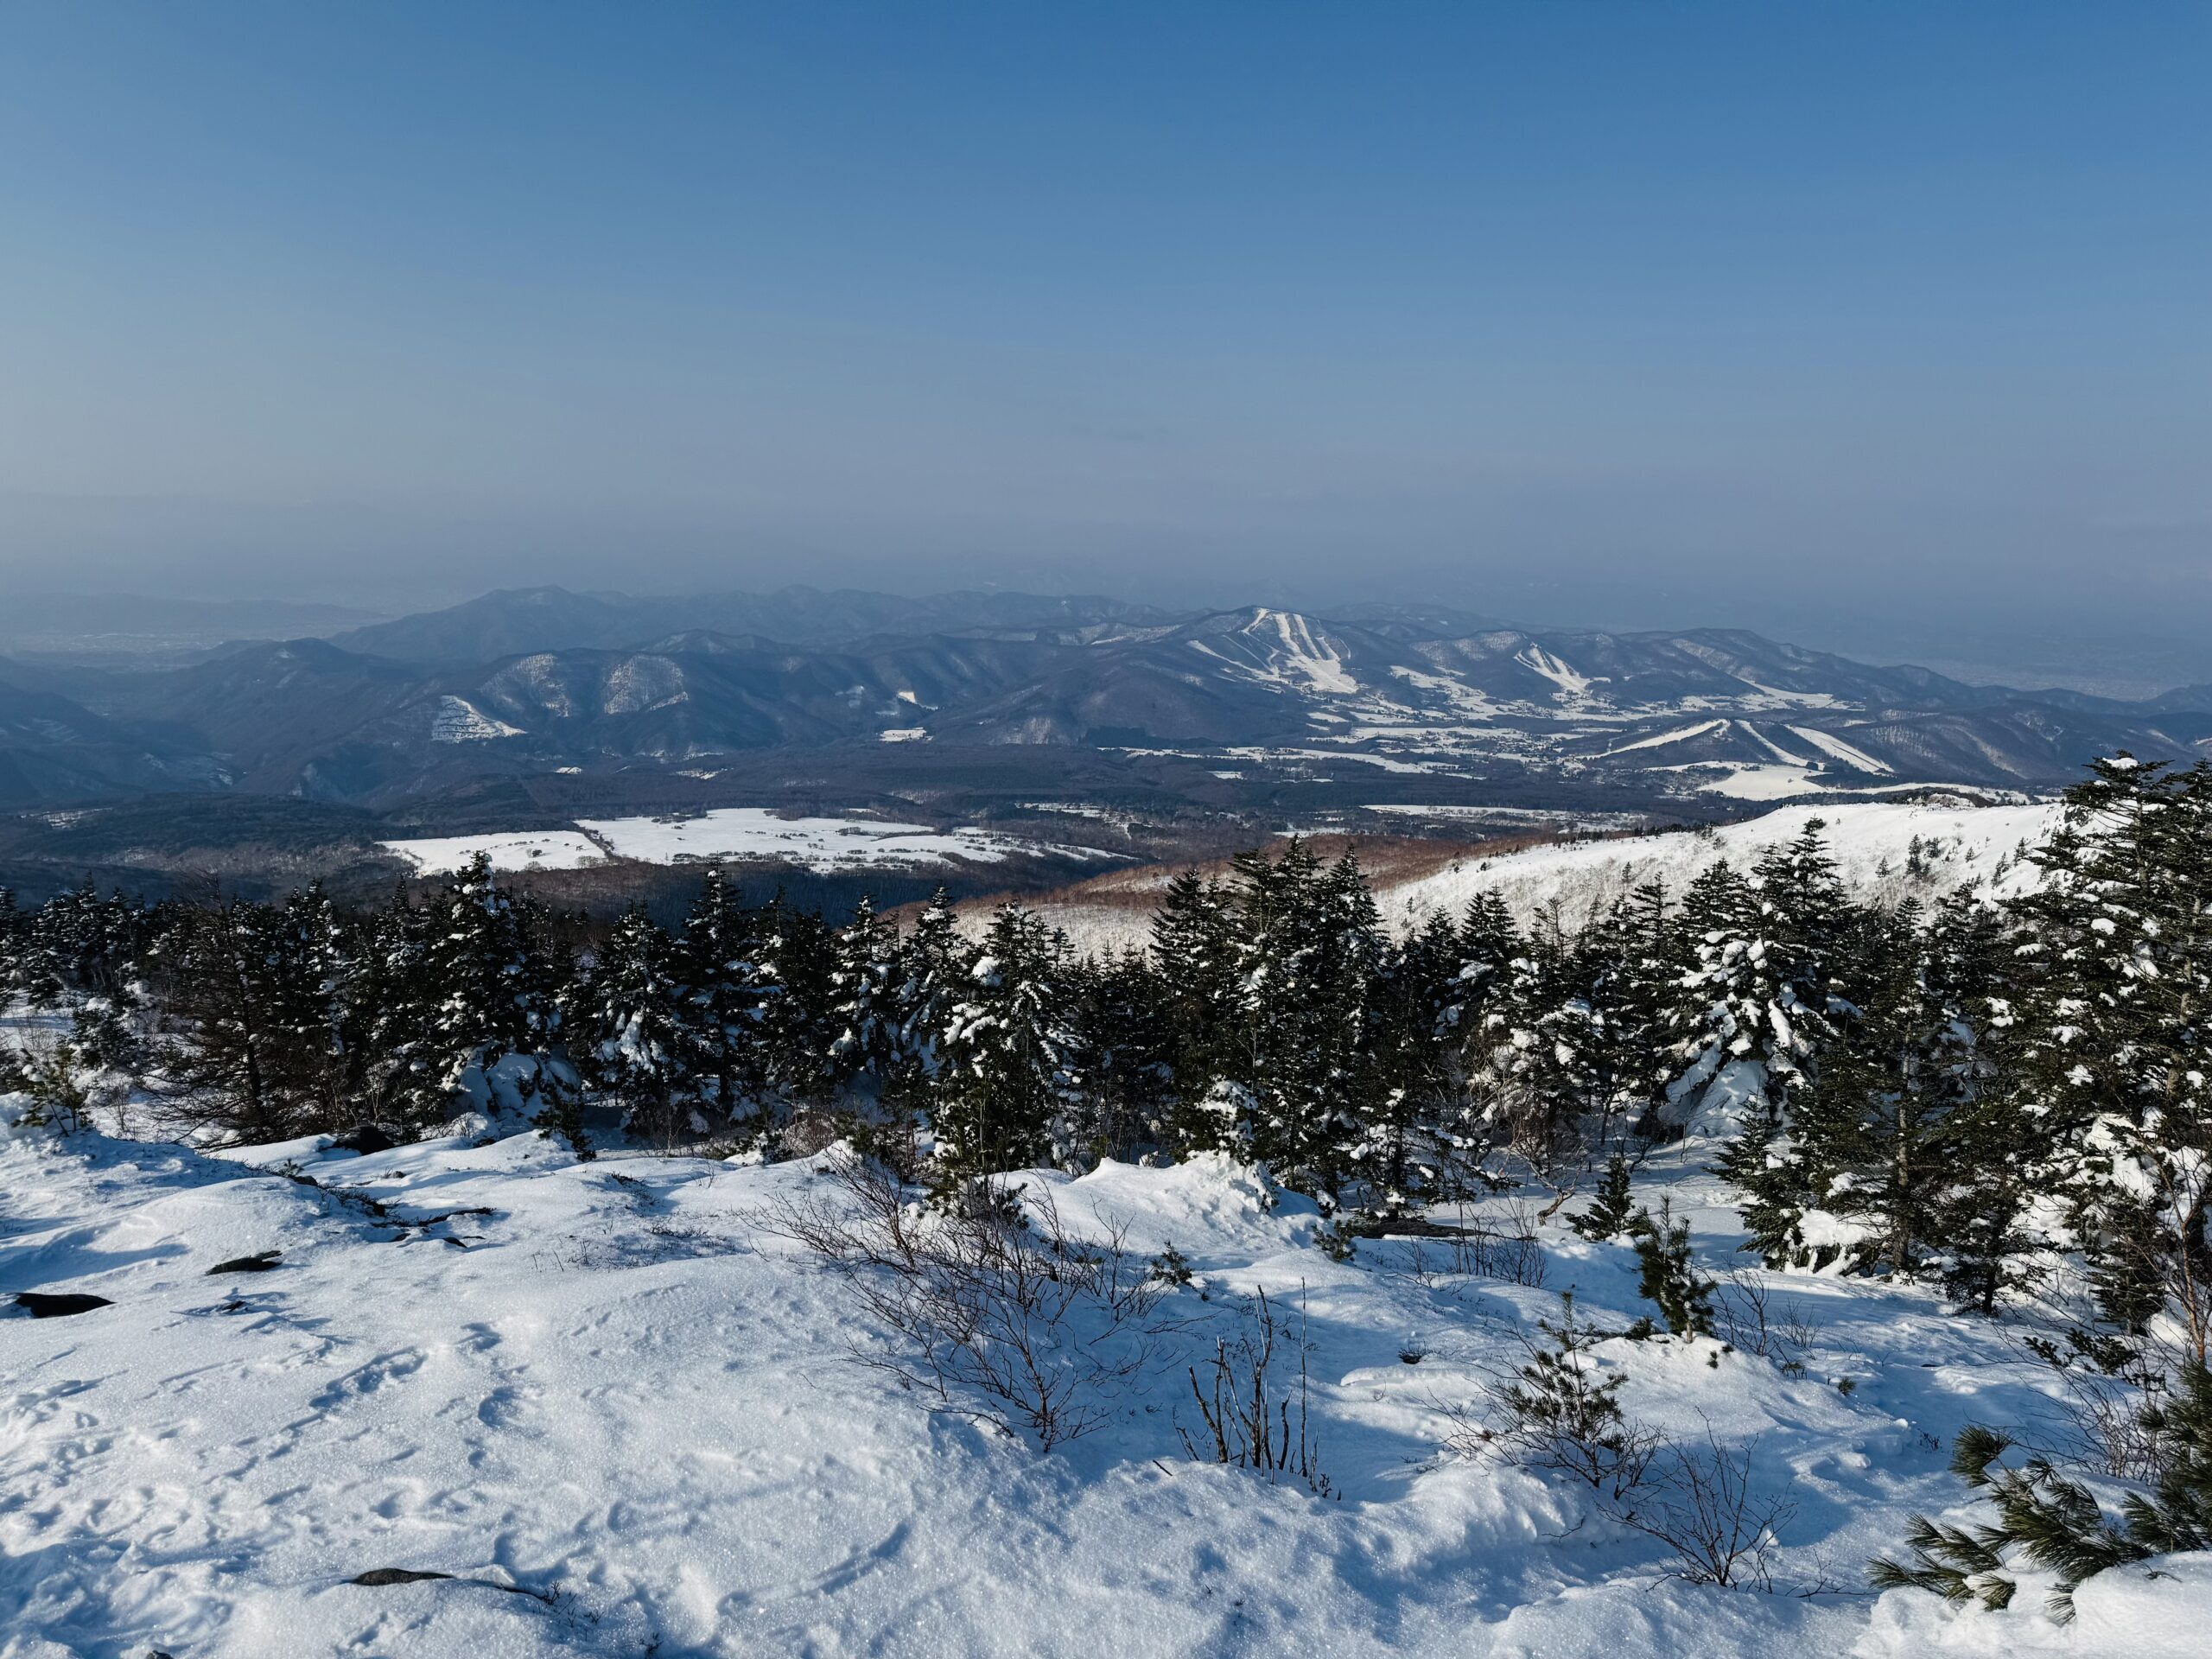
(823, 845)
(551, 849)
(606, 1385)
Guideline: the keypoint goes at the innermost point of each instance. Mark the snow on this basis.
(1744, 782)
(1295, 658)
(552, 849)
(902, 733)
(1836, 749)
(1871, 843)
(609, 1385)
(820, 844)
(1306, 658)
(1706, 729)
(456, 719)
(1571, 684)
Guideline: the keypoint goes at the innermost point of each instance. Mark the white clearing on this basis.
(1871, 844)
(1836, 749)
(619, 1413)
(550, 849)
(823, 845)
(458, 720)
(1664, 738)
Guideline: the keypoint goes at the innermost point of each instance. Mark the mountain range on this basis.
(543, 681)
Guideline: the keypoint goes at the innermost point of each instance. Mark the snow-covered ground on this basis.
(824, 845)
(551, 849)
(821, 844)
(607, 1385)
(1871, 844)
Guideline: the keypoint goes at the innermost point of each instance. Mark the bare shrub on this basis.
(1750, 1319)
(1012, 1323)
(1247, 1420)
(1516, 1259)
(1701, 1503)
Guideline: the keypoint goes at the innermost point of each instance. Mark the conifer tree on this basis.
(2116, 1046)
(725, 986)
(485, 1001)
(864, 989)
(1194, 952)
(1005, 1082)
(1419, 1133)
(934, 967)
(632, 1026)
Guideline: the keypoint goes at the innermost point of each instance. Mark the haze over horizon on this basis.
(1883, 331)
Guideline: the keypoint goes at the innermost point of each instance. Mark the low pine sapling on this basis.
(1560, 1413)
(2055, 1523)
(1612, 1209)
(1668, 1276)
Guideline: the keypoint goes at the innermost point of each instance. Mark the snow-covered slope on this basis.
(1873, 844)
(618, 1412)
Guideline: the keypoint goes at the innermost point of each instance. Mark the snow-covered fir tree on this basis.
(1004, 1089)
(632, 1028)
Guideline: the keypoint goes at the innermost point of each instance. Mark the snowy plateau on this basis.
(737, 833)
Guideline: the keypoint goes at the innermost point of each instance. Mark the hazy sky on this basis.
(1801, 316)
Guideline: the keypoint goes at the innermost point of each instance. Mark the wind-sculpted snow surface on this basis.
(617, 1409)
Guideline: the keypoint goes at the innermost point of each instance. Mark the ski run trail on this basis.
(624, 1416)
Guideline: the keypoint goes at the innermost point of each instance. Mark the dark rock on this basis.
(363, 1138)
(377, 1577)
(260, 1261)
(59, 1305)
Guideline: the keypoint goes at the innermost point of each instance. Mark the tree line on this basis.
(1954, 1090)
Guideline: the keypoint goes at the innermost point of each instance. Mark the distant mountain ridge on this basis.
(517, 621)
(534, 681)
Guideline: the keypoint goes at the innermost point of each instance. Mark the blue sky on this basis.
(1614, 313)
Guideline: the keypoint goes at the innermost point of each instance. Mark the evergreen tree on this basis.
(726, 989)
(1129, 1078)
(1611, 1208)
(795, 981)
(1667, 1273)
(2116, 1045)
(864, 988)
(1194, 952)
(632, 1026)
(1005, 1082)
(1765, 984)
(1421, 1136)
(482, 999)
(934, 968)
(1309, 947)
(2056, 1524)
